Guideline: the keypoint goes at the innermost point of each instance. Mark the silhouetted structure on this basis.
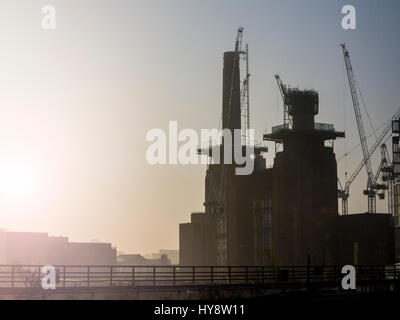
(362, 239)
(198, 240)
(304, 183)
(287, 214)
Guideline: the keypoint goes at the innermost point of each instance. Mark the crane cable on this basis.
(356, 146)
(365, 108)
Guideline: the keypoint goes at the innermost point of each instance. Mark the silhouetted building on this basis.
(304, 183)
(362, 239)
(23, 247)
(39, 248)
(173, 255)
(287, 214)
(81, 253)
(185, 244)
(197, 240)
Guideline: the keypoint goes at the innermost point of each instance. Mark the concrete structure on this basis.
(39, 248)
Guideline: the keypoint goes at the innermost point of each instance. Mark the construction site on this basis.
(295, 212)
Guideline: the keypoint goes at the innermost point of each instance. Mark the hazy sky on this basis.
(76, 102)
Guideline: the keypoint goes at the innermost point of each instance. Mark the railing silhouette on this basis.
(30, 276)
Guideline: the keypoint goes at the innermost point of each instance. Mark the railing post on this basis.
(212, 274)
(133, 276)
(193, 275)
(322, 274)
(279, 274)
(246, 275)
(111, 276)
(229, 275)
(154, 275)
(262, 274)
(39, 276)
(64, 276)
(293, 274)
(174, 276)
(88, 276)
(12, 276)
(334, 275)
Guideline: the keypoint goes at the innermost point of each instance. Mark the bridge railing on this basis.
(30, 276)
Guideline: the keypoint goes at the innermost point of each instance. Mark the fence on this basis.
(29, 276)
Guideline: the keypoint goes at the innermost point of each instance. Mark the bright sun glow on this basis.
(20, 181)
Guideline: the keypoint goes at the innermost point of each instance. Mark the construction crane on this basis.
(238, 46)
(245, 101)
(370, 190)
(388, 177)
(343, 193)
(287, 121)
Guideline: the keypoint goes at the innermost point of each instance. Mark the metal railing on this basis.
(317, 127)
(30, 276)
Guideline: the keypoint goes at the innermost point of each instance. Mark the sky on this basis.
(76, 102)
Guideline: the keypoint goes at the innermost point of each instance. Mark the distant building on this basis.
(173, 255)
(81, 253)
(139, 260)
(23, 247)
(39, 248)
(131, 260)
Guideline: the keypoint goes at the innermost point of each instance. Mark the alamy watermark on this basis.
(210, 141)
(349, 280)
(349, 20)
(49, 279)
(48, 21)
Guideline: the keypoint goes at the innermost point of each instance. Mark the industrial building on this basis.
(38, 248)
(286, 214)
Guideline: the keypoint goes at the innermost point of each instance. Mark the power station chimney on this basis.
(231, 91)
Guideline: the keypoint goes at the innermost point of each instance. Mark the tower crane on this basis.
(343, 193)
(370, 190)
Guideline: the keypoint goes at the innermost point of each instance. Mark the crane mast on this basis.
(370, 192)
(282, 88)
(245, 101)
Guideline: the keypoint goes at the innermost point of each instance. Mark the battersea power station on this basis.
(287, 214)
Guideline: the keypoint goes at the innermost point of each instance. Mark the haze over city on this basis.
(77, 102)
